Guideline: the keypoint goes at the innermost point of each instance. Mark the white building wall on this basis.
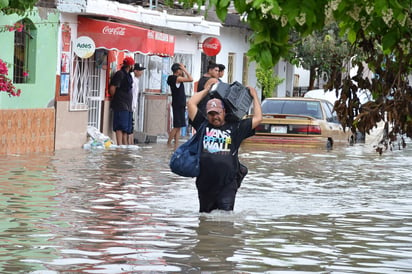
(186, 44)
(303, 75)
(284, 70)
(290, 70)
(235, 40)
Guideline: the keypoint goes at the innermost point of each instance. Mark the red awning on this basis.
(124, 37)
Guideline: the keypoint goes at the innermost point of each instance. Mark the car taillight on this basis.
(262, 128)
(314, 130)
(307, 129)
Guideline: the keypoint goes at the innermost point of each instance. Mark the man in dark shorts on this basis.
(176, 82)
(218, 181)
(120, 89)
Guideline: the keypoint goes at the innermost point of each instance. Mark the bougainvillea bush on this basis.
(6, 84)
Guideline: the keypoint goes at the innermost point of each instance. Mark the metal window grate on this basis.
(78, 99)
(94, 113)
(88, 89)
(20, 56)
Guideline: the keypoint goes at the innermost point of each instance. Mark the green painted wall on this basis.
(41, 89)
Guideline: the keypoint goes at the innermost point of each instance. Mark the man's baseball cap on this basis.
(138, 66)
(128, 61)
(215, 105)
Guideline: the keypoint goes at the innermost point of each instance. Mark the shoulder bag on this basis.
(185, 161)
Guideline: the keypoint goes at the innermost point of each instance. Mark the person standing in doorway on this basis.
(137, 72)
(175, 81)
(120, 89)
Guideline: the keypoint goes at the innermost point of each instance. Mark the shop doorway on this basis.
(89, 86)
(205, 62)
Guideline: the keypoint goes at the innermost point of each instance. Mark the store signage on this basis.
(114, 31)
(211, 46)
(84, 47)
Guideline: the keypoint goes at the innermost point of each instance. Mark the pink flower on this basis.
(25, 74)
(3, 68)
(6, 84)
(19, 27)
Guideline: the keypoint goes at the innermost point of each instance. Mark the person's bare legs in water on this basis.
(174, 135)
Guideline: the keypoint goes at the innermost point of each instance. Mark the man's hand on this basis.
(210, 83)
(197, 97)
(185, 77)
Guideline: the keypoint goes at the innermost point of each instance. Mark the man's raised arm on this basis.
(197, 97)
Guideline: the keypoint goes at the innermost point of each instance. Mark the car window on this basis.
(313, 109)
(272, 106)
(331, 115)
(306, 108)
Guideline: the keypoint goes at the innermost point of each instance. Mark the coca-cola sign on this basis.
(211, 46)
(121, 31)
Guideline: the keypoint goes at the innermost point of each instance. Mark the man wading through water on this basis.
(218, 181)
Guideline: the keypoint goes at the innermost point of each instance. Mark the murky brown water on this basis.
(122, 211)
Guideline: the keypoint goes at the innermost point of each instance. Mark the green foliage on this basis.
(19, 7)
(267, 81)
(4, 3)
(323, 52)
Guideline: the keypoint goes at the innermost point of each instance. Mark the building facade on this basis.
(71, 74)
(27, 122)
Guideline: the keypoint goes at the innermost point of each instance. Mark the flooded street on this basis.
(123, 211)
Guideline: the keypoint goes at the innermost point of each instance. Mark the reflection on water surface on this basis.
(123, 211)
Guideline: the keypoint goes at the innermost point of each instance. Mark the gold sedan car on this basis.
(299, 122)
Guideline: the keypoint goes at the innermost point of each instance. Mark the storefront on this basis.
(89, 76)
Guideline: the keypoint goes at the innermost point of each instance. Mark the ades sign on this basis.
(84, 47)
(211, 46)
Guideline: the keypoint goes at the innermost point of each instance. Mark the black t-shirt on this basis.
(201, 83)
(123, 97)
(200, 86)
(178, 93)
(219, 161)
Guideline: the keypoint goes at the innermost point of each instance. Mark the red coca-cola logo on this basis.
(121, 31)
(211, 46)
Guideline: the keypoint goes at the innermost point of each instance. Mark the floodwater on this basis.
(122, 211)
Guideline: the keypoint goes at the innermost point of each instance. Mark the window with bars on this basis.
(24, 53)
